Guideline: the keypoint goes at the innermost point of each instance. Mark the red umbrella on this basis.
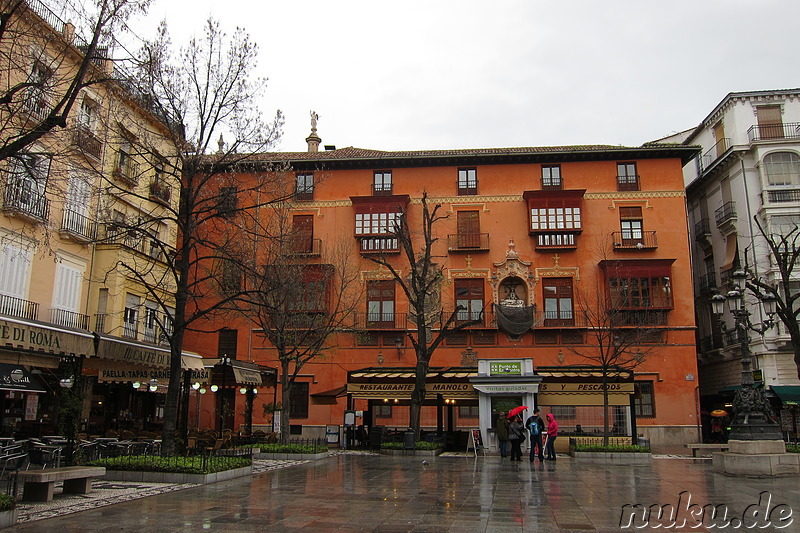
(517, 410)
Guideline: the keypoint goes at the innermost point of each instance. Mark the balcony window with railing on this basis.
(382, 183)
(37, 100)
(627, 177)
(130, 327)
(719, 149)
(708, 281)
(160, 191)
(633, 238)
(25, 186)
(126, 169)
(725, 214)
(467, 242)
(467, 181)
(702, 229)
(551, 178)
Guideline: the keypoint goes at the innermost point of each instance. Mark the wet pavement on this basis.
(394, 494)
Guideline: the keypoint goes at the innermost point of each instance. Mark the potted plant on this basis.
(8, 510)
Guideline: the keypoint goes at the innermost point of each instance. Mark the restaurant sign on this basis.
(505, 368)
(584, 387)
(133, 353)
(42, 339)
(404, 390)
(130, 375)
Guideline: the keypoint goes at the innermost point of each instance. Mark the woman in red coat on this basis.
(552, 433)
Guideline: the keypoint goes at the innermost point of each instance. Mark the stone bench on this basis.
(703, 446)
(38, 484)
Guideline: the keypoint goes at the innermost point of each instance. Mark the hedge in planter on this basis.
(7, 503)
(175, 465)
(611, 448)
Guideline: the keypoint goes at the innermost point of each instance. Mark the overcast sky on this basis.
(441, 74)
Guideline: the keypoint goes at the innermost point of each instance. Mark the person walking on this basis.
(502, 433)
(552, 433)
(535, 426)
(516, 434)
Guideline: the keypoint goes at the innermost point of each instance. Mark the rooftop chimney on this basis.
(313, 140)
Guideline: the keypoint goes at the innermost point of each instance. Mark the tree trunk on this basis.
(286, 390)
(418, 394)
(605, 406)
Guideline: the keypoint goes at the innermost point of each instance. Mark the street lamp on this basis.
(750, 405)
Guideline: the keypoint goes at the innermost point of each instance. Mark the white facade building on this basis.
(747, 173)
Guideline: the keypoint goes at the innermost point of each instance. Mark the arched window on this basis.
(782, 168)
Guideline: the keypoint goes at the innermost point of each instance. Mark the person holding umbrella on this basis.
(516, 434)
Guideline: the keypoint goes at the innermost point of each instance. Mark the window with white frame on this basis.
(382, 182)
(67, 293)
(376, 223)
(555, 218)
(782, 168)
(304, 186)
(467, 181)
(15, 267)
(131, 316)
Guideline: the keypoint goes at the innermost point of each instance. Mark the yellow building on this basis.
(81, 228)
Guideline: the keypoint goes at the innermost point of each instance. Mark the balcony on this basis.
(470, 189)
(550, 184)
(715, 152)
(468, 242)
(303, 247)
(628, 183)
(781, 196)
(304, 195)
(77, 225)
(18, 307)
(24, 198)
(556, 241)
(634, 240)
(127, 173)
(485, 318)
(702, 231)
(559, 319)
(771, 132)
(725, 214)
(380, 321)
(160, 192)
(378, 245)
(639, 317)
(382, 189)
(70, 319)
(87, 142)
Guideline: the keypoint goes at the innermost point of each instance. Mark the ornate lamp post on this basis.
(751, 407)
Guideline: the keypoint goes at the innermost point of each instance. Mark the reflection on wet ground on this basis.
(459, 494)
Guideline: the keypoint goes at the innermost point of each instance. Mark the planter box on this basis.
(167, 477)
(8, 518)
(290, 456)
(616, 458)
(415, 453)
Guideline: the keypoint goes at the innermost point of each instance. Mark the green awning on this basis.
(789, 394)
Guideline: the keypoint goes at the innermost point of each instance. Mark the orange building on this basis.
(535, 241)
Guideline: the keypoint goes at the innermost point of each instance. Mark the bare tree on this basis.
(200, 197)
(624, 326)
(422, 287)
(298, 302)
(783, 250)
(45, 64)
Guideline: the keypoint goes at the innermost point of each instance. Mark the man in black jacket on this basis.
(535, 426)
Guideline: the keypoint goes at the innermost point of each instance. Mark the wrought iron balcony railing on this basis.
(378, 245)
(11, 306)
(380, 321)
(78, 224)
(771, 132)
(780, 196)
(69, 318)
(712, 154)
(725, 214)
(87, 142)
(634, 240)
(25, 197)
(467, 242)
